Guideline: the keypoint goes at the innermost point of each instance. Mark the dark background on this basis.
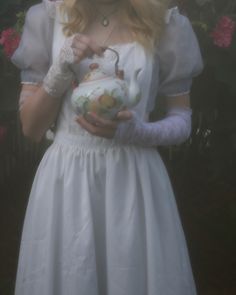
(203, 170)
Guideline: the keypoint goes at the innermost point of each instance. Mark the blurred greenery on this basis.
(9, 10)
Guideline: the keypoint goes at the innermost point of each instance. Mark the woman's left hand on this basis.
(99, 126)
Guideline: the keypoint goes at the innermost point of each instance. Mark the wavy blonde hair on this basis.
(144, 18)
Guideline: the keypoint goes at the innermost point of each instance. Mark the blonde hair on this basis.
(144, 18)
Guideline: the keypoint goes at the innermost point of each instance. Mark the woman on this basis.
(102, 218)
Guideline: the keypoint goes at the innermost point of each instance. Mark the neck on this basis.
(107, 5)
(106, 2)
(109, 10)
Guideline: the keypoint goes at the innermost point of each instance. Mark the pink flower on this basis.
(3, 134)
(223, 33)
(9, 39)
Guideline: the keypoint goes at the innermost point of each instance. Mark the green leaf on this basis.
(20, 21)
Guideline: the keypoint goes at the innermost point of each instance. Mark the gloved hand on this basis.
(74, 49)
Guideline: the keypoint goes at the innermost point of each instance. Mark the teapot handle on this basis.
(117, 58)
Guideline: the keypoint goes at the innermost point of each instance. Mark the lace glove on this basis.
(175, 128)
(59, 75)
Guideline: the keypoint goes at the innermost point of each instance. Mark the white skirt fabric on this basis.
(102, 220)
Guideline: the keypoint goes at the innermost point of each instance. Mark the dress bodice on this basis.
(132, 56)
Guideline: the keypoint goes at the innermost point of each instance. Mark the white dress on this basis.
(102, 217)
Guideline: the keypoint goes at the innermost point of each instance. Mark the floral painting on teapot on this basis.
(105, 94)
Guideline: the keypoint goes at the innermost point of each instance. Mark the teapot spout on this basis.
(134, 89)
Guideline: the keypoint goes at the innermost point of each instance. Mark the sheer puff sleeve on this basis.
(178, 55)
(33, 56)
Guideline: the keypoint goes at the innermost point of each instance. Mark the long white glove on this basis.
(175, 128)
(59, 75)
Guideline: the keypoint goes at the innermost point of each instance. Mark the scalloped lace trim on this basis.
(51, 7)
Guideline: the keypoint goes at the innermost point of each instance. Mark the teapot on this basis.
(104, 94)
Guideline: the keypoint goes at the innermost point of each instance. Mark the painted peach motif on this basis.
(107, 101)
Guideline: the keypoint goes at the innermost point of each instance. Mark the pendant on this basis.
(105, 22)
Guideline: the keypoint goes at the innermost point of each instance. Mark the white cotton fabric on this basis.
(102, 217)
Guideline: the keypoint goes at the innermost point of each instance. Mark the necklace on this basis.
(108, 36)
(105, 17)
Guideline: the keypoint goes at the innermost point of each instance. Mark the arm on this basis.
(38, 111)
(40, 104)
(173, 129)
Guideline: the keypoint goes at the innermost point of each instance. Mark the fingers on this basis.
(101, 122)
(83, 46)
(99, 127)
(124, 115)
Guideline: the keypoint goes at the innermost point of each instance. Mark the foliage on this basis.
(12, 14)
(214, 92)
(9, 10)
(215, 25)
(206, 164)
(11, 20)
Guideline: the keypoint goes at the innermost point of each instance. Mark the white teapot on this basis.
(104, 94)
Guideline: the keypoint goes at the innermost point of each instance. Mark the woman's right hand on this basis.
(99, 126)
(60, 75)
(76, 48)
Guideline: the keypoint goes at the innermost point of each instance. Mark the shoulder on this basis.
(173, 17)
(178, 54)
(40, 18)
(44, 10)
(177, 28)
(177, 32)
(37, 37)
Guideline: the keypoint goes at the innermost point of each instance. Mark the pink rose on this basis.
(9, 39)
(223, 33)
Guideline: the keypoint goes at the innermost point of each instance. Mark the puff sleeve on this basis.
(178, 55)
(33, 56)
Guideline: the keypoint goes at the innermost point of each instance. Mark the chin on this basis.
(106, 1)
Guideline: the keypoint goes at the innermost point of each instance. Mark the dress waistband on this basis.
(86, 141)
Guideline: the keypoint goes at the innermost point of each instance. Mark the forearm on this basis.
(175, 128)
(40, 104)
(38, 112)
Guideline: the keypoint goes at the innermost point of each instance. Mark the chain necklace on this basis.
(108, 36)
(105, 17)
